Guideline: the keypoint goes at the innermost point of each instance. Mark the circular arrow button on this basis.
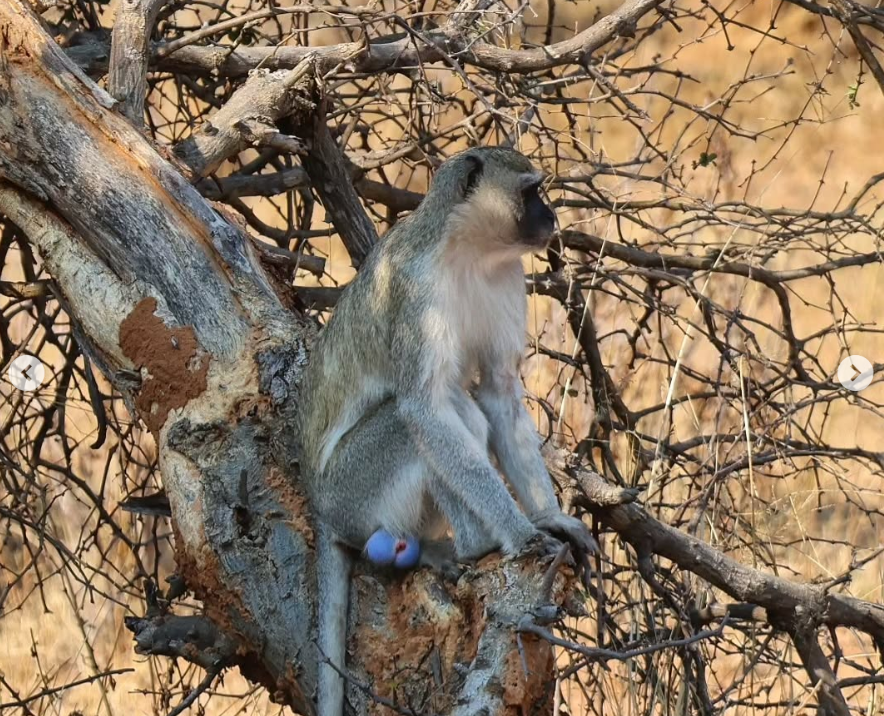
(26, 373)
(855, 373)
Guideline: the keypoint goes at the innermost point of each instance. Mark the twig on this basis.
(598, 654)
(195, 693)
(58, 689)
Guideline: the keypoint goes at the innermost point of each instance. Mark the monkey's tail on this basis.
(333, 584)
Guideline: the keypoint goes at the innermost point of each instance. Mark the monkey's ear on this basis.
(474, 175)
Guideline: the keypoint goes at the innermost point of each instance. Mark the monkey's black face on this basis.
(538, 222)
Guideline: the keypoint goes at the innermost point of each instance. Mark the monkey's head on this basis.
(493, 196)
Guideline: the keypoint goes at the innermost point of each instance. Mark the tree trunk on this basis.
(174, 305)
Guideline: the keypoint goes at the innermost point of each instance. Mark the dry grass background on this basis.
(59, 631)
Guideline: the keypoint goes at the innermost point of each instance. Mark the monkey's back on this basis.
(351, 366)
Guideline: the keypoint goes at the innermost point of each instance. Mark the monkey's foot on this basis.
(576, 534)
(439, 555)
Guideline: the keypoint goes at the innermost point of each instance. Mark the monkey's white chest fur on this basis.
(480, 315)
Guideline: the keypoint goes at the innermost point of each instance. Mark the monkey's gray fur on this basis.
(395, 435)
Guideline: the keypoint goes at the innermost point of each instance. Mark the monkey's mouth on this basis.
(536, 234)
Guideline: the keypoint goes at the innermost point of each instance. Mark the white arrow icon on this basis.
(26, 373)
(856, 373)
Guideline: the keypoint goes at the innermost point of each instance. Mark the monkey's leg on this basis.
(378, 469)
(441, 557)
(515, 442)
(374, 480)
(472, 539)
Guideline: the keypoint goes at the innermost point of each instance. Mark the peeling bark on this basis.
(445, 648)
(174, 366)
(265, 97)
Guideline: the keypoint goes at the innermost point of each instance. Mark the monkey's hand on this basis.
(568, 529)
(575, 533)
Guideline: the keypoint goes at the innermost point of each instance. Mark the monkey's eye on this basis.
(473, 177)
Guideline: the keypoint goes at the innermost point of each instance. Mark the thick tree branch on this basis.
(386, 56)
(830, 698)
(130, 55)
(265, 98)
(194, 638)
(775, 594)
(330, 178)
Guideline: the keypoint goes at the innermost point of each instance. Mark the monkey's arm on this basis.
(515, 442)
(458, 460)
(514, 439)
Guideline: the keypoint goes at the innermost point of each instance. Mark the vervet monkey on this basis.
(395, 435)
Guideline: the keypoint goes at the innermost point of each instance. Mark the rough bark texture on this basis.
(166, 289)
